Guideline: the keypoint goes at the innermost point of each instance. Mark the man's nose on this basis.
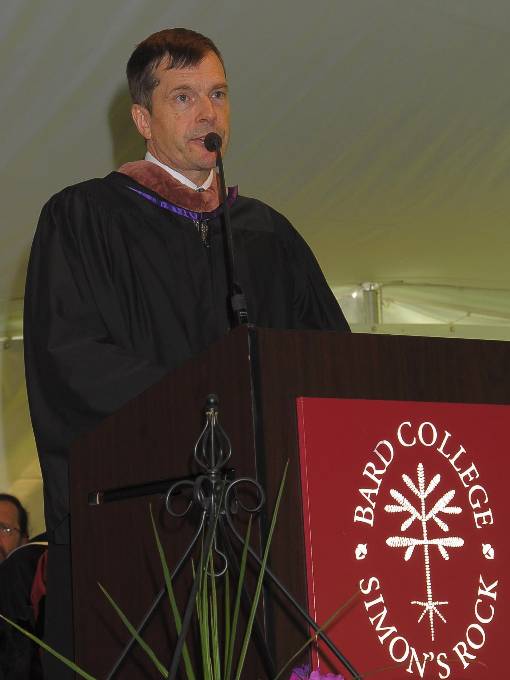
(206, 110)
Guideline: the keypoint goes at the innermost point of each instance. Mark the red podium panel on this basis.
(407, 503)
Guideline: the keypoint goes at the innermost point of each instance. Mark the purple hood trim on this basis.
(183, 212)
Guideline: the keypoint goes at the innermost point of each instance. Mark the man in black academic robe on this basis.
(127, 275)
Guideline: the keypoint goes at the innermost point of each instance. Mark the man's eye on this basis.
(219, 94)
(182, 98)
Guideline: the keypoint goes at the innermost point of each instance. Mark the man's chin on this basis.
(206, 162)
(201, 157)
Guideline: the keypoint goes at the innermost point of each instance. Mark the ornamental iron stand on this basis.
(218, 496)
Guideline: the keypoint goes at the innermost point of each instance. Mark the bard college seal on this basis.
(418, 518)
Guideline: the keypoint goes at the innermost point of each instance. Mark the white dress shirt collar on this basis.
(179, 176)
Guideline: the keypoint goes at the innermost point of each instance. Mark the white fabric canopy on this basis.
(379, 127)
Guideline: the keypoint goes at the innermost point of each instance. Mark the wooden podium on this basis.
(257, 375)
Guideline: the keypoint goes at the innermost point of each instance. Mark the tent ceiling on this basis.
(380, 127)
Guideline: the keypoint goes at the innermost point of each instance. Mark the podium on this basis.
(257, 374)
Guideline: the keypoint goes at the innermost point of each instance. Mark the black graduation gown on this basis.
(121, 289)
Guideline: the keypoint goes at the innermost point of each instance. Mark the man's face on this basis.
(187, 103)
(9, 518)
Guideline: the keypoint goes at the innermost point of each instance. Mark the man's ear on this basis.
(142, 119)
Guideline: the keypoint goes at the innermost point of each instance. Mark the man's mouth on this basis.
(200, 140)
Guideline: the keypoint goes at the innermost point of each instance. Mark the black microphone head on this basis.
(212, 141)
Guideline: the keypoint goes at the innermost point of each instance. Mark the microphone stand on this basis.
(237, 298)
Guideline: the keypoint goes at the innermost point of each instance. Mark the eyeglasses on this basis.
(8, 531)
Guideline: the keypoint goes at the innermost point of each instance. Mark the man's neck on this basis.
(203, 182)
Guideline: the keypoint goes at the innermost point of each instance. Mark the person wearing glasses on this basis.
(22, 591)
(13, 525)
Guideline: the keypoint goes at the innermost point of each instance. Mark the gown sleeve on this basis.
(79, 355)
(79, 361)
(315, 306)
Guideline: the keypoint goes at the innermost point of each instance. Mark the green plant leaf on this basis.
(322, 628)
(227, 621)
(208, 625)
(204, 640)
(258, 589)
(50, 650)
(213, 604)
(171, 598)
(237, 603)
(133, 632)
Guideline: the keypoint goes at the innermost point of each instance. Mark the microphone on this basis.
(238, 307)
(212, 141)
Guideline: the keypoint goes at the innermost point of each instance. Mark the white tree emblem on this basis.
(424, 516)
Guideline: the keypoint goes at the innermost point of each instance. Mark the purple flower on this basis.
(303, 673)
(317, 675)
